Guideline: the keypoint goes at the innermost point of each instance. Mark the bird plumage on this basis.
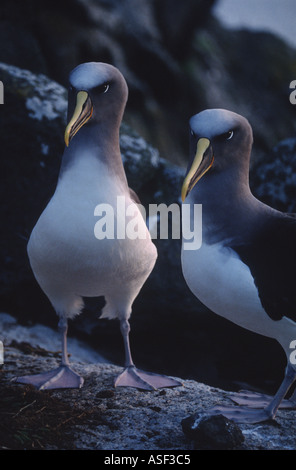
(245, 268)
(68, 260)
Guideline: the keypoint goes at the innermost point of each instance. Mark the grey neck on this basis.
(229, 209)
(95, 141)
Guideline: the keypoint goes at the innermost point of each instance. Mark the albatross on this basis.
(245, 269)
(67, 259)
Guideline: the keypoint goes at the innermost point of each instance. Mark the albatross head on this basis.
(218, 139)
(97, 92)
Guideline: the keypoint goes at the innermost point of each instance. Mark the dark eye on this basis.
(103, 88)
(229, 135)
(192, 133)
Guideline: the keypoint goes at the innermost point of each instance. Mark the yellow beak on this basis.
(82, 113)
(202, 162)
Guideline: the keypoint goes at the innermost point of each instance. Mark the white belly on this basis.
(67, 258)
(219, 279)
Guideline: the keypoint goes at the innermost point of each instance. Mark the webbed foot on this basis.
(242, 415)
(259, 400)
(62, 377)
(133, 377)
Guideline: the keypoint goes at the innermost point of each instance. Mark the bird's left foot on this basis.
(259, 400)
(133, 377)
(62, 377)
(242, 415)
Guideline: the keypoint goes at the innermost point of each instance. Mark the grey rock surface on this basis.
(274, 177)
(105, 418)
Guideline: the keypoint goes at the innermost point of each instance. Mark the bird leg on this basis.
(249, 415)
(133, 377)
(261, 400)
(61, 377)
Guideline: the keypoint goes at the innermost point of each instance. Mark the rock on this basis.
(42, 340)
(274, 177)
(174, 68)
(178, 35)
(20, 47)
(212, 432)
(32, 142)
(124, 33)
(252, 79)
(101, 417)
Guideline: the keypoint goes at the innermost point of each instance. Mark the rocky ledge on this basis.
(100, 417)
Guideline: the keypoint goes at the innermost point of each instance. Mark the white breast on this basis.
(66, 256)
(222, 282)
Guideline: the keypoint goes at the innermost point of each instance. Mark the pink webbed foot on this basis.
(133, 377)
(242, 415)
(259, 400)
(62, 377)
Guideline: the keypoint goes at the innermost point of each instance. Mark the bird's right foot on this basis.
(243, 415)
(259, 400)
(62, 377)
(133, 377)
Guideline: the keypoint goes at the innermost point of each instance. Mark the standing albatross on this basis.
(68, 260)
(245, 270)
